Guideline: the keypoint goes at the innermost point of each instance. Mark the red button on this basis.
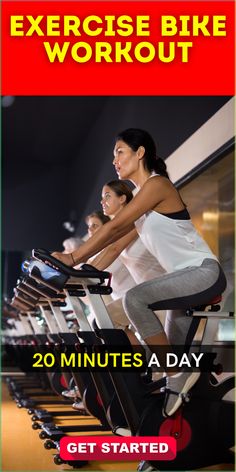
(110, 448)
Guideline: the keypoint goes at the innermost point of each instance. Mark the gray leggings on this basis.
(178, 290)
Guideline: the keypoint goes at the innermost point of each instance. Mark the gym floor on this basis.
(22, 450)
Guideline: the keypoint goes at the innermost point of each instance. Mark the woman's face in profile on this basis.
(125, 160)
(93, 225)
(111, 203)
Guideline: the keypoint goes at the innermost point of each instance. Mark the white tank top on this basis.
(121, 279)
(175, 243)
(140, 262)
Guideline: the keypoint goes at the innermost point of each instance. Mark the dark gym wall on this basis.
(34, 210)
(41, 136)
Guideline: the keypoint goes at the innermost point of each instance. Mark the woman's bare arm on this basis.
(151, 194)
(111, 252)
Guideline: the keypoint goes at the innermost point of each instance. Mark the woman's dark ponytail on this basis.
(159, 166)
(135, 138)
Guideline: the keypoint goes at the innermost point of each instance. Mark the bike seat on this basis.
(213, 303)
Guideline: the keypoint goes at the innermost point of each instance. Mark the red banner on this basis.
(118, 48)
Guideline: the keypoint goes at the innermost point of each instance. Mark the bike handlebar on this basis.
(86, 271)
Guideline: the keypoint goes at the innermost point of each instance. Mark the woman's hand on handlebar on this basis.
(66, 259)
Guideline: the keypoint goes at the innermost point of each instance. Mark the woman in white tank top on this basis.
(141, 264)
(130, 251)
(194, 275)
